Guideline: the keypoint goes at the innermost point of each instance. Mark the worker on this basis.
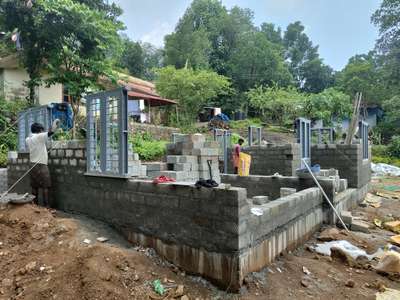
(38, 156)
(236, 154)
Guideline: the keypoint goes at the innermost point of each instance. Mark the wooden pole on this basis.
(354, 119)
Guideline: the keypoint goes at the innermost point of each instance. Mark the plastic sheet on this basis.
(345, 246)
(385, 170)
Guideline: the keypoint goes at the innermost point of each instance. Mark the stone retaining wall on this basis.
(347, 159)
(157, 132)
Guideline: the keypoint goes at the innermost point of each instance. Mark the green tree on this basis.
(18, 17)
(132, 57)
(206, 36)
(307, 68)
(275, 104)
(82, 39)
(39, 32)
(257, 61)
(364, 73)
(191, 88)
(390, 125)
(331, 104)
(187, 48)
(273, 35)
(153, 59)
(387, 18)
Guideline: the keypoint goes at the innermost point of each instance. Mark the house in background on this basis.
(12, 78)
(142, 94)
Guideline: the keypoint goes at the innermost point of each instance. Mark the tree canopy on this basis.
(191, 88)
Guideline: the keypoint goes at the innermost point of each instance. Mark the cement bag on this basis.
(244, 164)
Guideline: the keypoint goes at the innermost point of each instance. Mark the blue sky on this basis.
(341, 28)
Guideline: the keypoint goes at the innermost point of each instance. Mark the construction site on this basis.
(199, 150)
(113, 231)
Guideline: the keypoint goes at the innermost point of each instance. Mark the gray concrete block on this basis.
(286, 191)
(347, 217)
(260, 200)
(361, 226)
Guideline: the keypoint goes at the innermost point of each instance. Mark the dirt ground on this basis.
(43, 255)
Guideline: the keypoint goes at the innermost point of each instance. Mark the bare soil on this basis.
(43, 256)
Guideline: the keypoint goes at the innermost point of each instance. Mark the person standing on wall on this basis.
(38, 156)
(236, 154)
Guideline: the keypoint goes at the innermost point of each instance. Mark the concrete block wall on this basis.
(271, 185)
(3, 180)
(285, 224)
(211, 232)
(193, 228)
(271, 159)
(347, 159)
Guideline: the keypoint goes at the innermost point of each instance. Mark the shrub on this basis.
(243, 124)
(146, 147)
(235, 139)
(386, 160)
(8, 126)
(394, 147)
(380, 150)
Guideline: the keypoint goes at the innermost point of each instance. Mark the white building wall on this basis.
(13, 81)
(14, 88)
(51, 94)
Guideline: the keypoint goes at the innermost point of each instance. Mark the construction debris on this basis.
(362, 226)
(393, 226)
(102, 239)
(330, 234)
(389, 263)
(388, 294)
(347, 217)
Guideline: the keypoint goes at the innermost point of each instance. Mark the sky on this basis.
(341, 28)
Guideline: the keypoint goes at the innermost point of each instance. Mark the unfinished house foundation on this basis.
(220, 233)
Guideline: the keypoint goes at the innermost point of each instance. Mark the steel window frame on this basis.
(27, 118)
(121, 95)
(304, 139)
(250, 135)
(363, 130)
(226, 141)
(320, 131)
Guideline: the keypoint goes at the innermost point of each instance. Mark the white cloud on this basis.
(156, 35)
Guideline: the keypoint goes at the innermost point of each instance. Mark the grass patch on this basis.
(244, 124)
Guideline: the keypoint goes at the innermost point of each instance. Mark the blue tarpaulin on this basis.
(64, 113)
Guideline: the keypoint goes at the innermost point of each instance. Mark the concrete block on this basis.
(155, 166)
(73, 162)
(287, 191)
(79, 153)
(69, 153)
(205, 152)
(177, 175)
(343, 185)
(260, 200)
(361, 226)
(347, 217)
(187, 167)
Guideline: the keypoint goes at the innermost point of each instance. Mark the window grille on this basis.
(107, 133)
(303, 129)
(254, 132)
